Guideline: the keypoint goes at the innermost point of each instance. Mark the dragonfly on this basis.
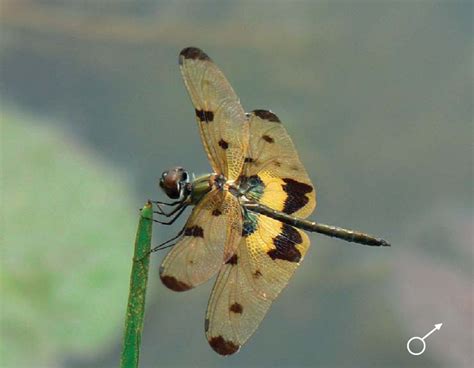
(249, 215)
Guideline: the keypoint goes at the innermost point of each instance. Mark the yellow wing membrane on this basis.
(273, 160)
(247, 284)
(210, 237)
(222, 122)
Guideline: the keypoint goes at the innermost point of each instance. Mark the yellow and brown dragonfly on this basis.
(248, 216)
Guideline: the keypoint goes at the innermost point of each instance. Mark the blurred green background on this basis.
(378, 99)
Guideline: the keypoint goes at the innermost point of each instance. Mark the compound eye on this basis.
(163, 178)
(184, 176)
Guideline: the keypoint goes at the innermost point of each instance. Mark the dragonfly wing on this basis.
(221, 119)
(268, 254)
(210, 236)
(272, 160)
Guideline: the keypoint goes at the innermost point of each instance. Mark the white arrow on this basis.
(437, 327)
(422, 339)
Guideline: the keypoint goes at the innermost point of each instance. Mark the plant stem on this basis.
(137, 292)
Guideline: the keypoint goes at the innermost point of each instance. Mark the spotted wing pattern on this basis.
(211, 235)
(222, 122)
(272, 161)
(268, 254)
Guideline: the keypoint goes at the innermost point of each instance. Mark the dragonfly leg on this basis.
(161, 211)
(172, 212)
(176, 212)
(166, 203)
(166, 244)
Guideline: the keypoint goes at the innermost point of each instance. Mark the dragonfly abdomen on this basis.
(328, 230)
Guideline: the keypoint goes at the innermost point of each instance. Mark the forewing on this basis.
(272, 159)
(221, 119)
(211, 235)
(267, 256)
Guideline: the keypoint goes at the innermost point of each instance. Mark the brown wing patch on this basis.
(233, 260)
(285, 245)
(173, 284)
(204, 116)
(297, 195)
(193, 53)
(195, 230)
(222, 346)
(268, 139)
(267, 115)
(216, 212)
(236, 308)
(223, 144)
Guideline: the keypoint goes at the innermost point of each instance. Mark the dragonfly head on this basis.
(174, 183)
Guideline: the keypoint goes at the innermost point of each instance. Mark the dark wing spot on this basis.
(233, 260)
(248, 228)
(206, 324)
(216, 212)
(267, 138)
(248, 159)
(285, 245)
(206, 116)
(236, 308)
(249, 224)
(172, 283)
(223, 144)
(277, 163)
(257, 274)
(195, 231)
(242, 179)
(192, 53)
(267, 115)
(296, 195)
(223, 347)
(253, 182)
